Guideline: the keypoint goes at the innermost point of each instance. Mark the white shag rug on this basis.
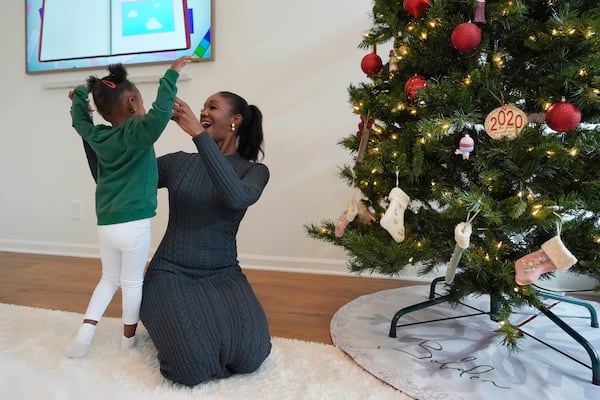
(463, 359)
(33, 366)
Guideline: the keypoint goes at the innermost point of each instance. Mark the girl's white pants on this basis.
(124, 251)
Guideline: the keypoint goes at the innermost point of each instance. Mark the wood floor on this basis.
(297, 305)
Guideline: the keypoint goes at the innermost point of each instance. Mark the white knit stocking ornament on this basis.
(393, 219)
(462, 236)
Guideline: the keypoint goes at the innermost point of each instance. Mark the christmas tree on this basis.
(477, 148)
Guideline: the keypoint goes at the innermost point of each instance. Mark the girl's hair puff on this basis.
(107, 91)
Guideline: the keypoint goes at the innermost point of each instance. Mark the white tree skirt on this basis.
(464, 358)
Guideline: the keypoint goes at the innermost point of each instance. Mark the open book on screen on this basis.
(73, 29)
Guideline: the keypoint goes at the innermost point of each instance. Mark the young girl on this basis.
(126, 188)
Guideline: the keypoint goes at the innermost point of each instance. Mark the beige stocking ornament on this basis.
(393, 219)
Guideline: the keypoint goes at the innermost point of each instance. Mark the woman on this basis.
(199, 309)
(197, 305)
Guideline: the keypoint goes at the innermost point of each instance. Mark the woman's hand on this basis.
(185, 118)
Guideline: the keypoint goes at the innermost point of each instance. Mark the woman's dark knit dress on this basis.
(199, 309)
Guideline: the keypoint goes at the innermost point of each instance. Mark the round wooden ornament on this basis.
(505, 121)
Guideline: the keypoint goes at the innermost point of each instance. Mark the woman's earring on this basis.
(232, 127)
(132, 111)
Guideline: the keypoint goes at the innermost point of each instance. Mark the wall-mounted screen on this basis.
(64, 35)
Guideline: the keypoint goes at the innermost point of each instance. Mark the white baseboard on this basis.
(317, 266)
(563, 282)
(50, 248)
(247, 261)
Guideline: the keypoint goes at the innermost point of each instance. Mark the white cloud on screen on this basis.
(153, 23)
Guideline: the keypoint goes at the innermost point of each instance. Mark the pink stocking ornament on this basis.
(551, 257)
(347, 216)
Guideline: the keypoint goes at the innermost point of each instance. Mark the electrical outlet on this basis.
(75, 210)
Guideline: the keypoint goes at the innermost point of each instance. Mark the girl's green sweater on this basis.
(126, 185)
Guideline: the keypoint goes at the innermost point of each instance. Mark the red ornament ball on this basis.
(371, 64)
(415, 7)
(466, 37)
(563, 116)
(411, 86)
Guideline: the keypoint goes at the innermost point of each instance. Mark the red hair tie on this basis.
(108, 83)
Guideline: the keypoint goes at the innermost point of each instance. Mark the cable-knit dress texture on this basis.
(200, 311)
